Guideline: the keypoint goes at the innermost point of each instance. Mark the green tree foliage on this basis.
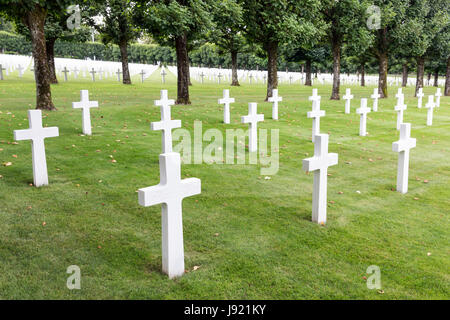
(227, 31)
(345, 24)
(179, 24)
(271, 23)
(116, 26)
(33, 14)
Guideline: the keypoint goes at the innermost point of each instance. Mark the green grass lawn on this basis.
(251, 237)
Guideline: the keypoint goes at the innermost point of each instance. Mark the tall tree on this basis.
(33, 13)
(176, 23)
(115, 26)
(416, 29)
(56, 28)
(226, 32)
(271, 23)
(345, 20)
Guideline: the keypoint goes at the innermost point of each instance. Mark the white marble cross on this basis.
(202, 75)
(166, 124)
(219, 77)
(375, 96)
(226, 100)
(348, 97)
(93, 72)
(75, 72)
(1, 72)
(163, 75)
(252, 119)
(400, 107)
(86, 105)
(319, 164)
(142, 73)
(20, 68)
(170, 192)
(37, 133)
(315, 114)
(363, 111)
(118, 74)
(402, 147)
(275, 99)
(399, 93)
(420, 95)
(65, 71)
(315, 97)
(438, 96)
(430, 106)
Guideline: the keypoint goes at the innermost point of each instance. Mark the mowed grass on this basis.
(251, 237)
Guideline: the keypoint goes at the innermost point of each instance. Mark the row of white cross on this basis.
(172, 189)
(400, 107)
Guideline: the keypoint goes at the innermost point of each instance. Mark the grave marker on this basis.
(93, 72)
(400, 107)
(375, 96)
(170, 192)
(85, 105)
(319, 165)
(226, 100)
(402, 147)
(420, 95)
(315, 114)
(430, 106)
(166, 124)
(252, 119)
(275, 99)
(37, 133)
(347, 97)
(438, 95)
(363, 111)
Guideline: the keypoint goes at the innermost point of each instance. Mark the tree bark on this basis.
(383, 62)
(50, 47)
(308, 73)
(336, 47)
(182, 70)
(234, 74)
(126, 79)
(436, 78)
(382, 75)
(404, 74)
(272, 71)
(420, 72)
(363, 75)
(447, 79)
(35, 20)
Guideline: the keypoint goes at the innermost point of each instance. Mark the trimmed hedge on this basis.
(207, 55)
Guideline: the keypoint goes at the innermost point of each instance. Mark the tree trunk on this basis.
(272, 72)
(124, 56)
(182, 70)
(404, 75)
(35, 20)
(383, 62)
(363, 75)
(50, 47)
(436, 78)
(420, 72)
(447, 79)
(336, 47)
(234, 74)
(308, 73)
(382, 75)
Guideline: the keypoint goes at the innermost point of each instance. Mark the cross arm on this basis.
(403, 145)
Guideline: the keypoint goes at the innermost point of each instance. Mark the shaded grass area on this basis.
(251, 237)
